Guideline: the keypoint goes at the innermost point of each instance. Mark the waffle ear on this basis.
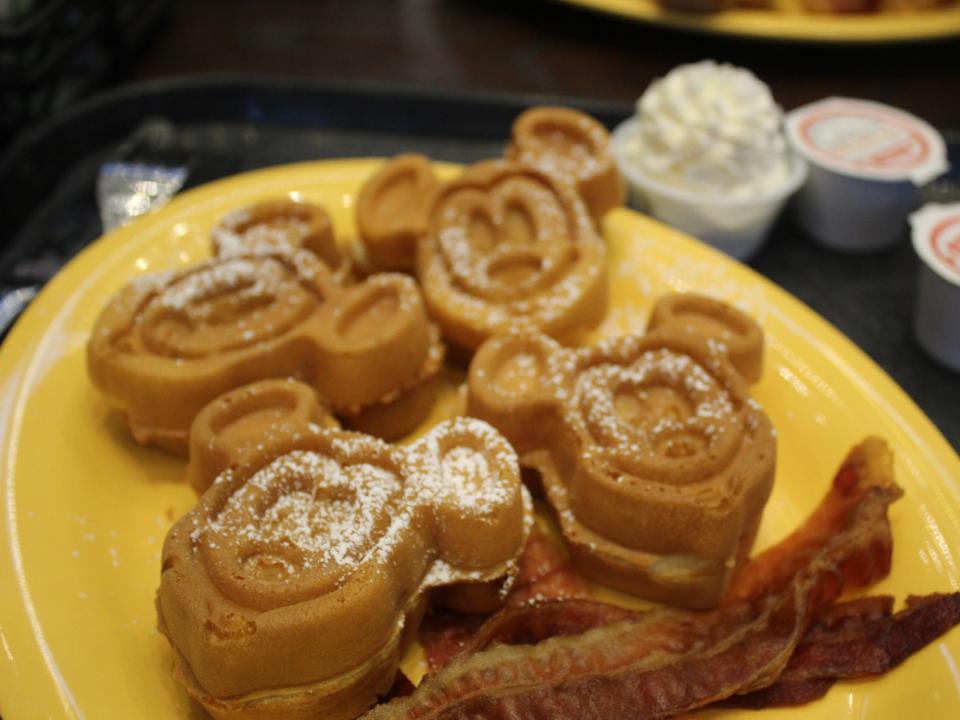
(238, 423)
(276, 225)
(370, 340)
(511, 382)
(727, 330)
(392, 211)
(471, 479)
(574, 146)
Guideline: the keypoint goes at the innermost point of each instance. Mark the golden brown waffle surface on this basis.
(168, 344)
(508, 247)
(652, 455)
(296, 582)
(393, 208)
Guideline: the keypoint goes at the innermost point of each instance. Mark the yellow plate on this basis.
(85, 510)
(787, 20)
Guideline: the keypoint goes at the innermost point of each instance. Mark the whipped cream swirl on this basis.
(710, 128)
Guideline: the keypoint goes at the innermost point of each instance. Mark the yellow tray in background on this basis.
(85, 510)
(787, 20)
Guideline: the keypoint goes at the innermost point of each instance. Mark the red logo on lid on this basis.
(945, 242)
(864, 137)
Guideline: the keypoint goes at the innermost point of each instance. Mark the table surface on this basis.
(527, 46)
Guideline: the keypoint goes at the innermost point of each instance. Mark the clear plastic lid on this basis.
(868, 140)
(936, 238)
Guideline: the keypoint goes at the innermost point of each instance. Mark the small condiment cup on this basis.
(736, 225)
(936, 320)
(867, 164)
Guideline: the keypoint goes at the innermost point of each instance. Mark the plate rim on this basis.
(893, 28)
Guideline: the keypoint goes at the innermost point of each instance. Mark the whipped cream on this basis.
(710, 128)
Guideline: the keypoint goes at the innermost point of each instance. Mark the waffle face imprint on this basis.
(510, 248)
(168, 344)
(651, 453)
(294, 585)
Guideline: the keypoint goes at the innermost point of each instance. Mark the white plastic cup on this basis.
(867, 164)
(736, 225)
(852, 214)
(936, 319)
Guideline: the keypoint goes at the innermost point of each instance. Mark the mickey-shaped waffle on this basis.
(573, 147)
(292, 588)
(167, 344)
(392, 211)
(733, 332)
(510, 248)
(653, 456)
(281, 224)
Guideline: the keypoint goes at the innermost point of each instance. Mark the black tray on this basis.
(221, 125)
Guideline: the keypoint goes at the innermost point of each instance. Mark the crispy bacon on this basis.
(867, 470)
(444, 635)
(530, 624)
(666, 661)
(852, 613)
(544, 575)
(661, 663)
(861, 647)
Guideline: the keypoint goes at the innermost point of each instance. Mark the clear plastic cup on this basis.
(736, 225)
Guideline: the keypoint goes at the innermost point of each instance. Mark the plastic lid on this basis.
(936, 238)
(868, 140)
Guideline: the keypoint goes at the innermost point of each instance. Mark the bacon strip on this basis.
(530, 624)
(852, 613)
(444, 635)
(863, 648)
(665, 661)
(544, 575)
(856, 504)
(867, 470)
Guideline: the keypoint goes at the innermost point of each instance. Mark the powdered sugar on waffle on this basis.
(335, 513)
(329, 513)
(257, 239)
(522, 214)
(447, 472)
(597, 389)
(248, 278)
